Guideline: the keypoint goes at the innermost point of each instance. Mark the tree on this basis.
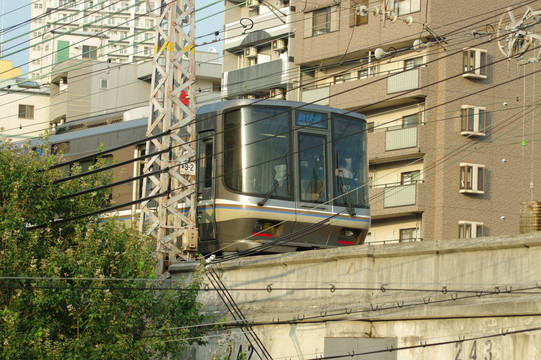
(80, 289)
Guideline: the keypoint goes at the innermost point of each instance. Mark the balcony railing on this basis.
(319, 95)
(401, 138)
(403, 81)
(400, 195)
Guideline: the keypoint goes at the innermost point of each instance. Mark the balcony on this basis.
(399, 195)
(403, 81)
(395, 144)
(255, 78)
(268, 25)
(381, 90)
(318, 95)
(395, 200)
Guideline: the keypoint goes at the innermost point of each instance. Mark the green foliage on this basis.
(62, 302)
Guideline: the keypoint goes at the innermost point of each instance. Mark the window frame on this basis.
(415, 120)
(412, 232)
(413, 4)
(26, 111)
(90, 50)
(473, 120)
(413, 63)
(472, 178)
(410, 177)
(470, 229)
(331, 24)
(474, 63)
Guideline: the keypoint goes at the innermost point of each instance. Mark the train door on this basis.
(206, 188)
(313, 169)
(313, 185)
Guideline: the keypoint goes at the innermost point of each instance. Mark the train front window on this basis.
(350, 172)
(256, 151)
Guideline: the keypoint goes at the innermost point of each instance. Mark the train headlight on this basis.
(348, 236)
(265, 228)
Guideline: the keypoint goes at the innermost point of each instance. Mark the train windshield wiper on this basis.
(271, 191)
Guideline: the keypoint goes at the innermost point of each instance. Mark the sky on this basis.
(16, 16)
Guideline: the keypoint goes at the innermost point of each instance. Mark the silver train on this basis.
(271, 169)
(266, 170)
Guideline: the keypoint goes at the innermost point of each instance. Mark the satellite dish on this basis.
(212, 49)
(408, 20)
(393, 17)
(418, 45)
(379, 53)
(361, 10)
(376, 11)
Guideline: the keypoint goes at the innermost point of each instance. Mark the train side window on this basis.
(206, 149)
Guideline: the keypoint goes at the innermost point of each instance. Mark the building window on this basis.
(357, 18)
(104, 84)
(90, 52)
(472, 178)
(321, 21)
(338, 79)
(368, 71)
(469, 229)
(410, 177)
(472, 120)
(402, 7)
(26, 111)
(408, 235)
(413, 63)
(410, 120)
(474, 63)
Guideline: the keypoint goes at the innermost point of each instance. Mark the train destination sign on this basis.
(310, 118)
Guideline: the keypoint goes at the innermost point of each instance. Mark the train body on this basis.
(265, 170)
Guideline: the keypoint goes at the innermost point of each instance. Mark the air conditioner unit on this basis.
(252, 3)
(277, 93)
(278, 45)
(250, 52)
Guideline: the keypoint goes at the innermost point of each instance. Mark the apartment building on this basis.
(106, 30)
(83, 89)
(24, 107)
(258, 50)
(452, 117)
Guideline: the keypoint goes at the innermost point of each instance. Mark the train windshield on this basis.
(351, 174)
(256, 151)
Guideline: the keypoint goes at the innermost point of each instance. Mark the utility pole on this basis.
(171, 218)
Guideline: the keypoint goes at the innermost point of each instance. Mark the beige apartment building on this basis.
(448, 92)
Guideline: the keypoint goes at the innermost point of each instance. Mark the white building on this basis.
(106, 30)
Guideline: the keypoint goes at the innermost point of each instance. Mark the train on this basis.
(266, 170)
